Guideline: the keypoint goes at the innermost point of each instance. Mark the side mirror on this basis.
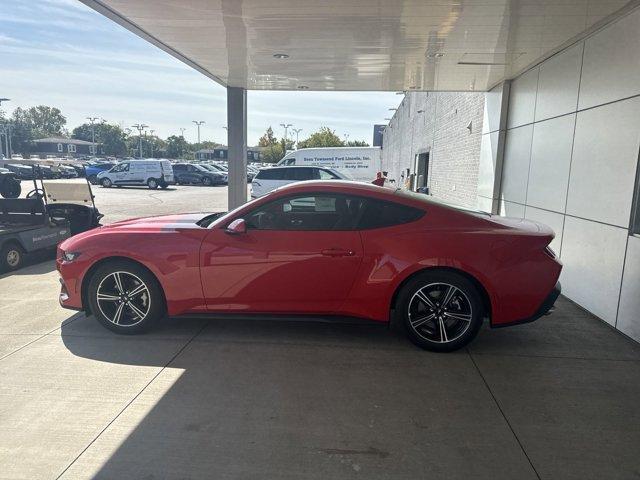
(236, 227)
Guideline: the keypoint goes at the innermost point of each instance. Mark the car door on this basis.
(299, 255)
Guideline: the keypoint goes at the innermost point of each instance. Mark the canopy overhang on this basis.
(361, 45)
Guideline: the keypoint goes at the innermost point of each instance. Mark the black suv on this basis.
(188, 173)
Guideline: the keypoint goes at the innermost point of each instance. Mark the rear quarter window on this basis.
(380, 213)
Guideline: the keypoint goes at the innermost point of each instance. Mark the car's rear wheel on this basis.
(441, 310)
(125, 297)
(93, 179)
(152, 183)
(106, 182)
(206, 181)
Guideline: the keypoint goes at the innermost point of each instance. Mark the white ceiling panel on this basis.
(440, 45)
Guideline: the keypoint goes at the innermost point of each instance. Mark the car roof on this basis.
(299, 166)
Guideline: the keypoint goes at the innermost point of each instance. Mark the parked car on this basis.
(191, 173)
(23, 172)
(78, 167)
(224, 177)
(66, 171)
(152, 173)
(92, 169)
(319, 249)
(9, 184)
(268, 179)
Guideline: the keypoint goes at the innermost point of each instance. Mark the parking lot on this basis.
(200, 398)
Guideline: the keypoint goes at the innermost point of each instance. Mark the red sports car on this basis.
(329, 249)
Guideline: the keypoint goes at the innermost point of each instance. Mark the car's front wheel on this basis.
(152, 183)
(125, 297)
(206, 181)
(442, 311)
(106, 182)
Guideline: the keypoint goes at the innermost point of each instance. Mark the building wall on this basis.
(571, 145)
(437, 123)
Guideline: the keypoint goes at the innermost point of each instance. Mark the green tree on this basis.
(357, 143)
(112, 137)
(177, 147)
(33, 123)
(273, 149)
(325, 137)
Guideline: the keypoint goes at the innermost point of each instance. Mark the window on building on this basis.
(92, 149)
(71, 148)
(60, 149)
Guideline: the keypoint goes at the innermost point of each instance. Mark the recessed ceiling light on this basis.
(435, 55)
(280, 56)
(303, 87)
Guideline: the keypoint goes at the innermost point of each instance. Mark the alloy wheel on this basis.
(123, 298)
(440, 312)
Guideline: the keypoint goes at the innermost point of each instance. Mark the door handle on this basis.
(338, 252)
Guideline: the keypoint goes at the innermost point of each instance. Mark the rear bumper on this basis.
(544, 308)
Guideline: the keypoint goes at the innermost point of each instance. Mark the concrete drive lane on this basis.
(227, 398)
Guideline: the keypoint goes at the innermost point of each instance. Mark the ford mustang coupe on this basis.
(328, 249)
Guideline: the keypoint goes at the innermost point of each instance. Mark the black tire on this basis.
(11, 189)
(131, 277)
(93, 179)
(460, 317)
(206, 181)
(152, 183)
(106, 183)
(164, 185)
(11, 257)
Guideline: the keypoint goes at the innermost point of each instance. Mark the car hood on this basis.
(184, 220)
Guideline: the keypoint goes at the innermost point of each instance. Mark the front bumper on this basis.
(545, 308)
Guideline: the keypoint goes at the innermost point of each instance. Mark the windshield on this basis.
(428, 199)
(64, 192)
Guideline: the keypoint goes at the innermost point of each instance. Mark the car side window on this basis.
(319, 212)
(270, 174)
(178, 168)
(191, 169)
(327, 175)
(380, 213)
(123, 167)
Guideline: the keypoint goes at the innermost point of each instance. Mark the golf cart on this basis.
(52, 212)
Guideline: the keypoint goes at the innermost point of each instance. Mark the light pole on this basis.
(182, 132)
(152, 141)
(201, 122)
(7, 133)
(346, 138)
(286, 127)
(140, 127)
(297, 132)
(93, 133)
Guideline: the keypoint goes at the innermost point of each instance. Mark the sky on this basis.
(61, 53)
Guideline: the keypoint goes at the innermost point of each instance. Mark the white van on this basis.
(359, 163)
(152, 173)
(268, 179)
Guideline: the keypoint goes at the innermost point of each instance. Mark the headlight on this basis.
(70, 256)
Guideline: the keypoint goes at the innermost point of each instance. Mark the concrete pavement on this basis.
(278, 399)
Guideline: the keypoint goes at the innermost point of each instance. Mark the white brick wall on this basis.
(441, 129)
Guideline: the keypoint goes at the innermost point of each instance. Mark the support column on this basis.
(237, 143)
